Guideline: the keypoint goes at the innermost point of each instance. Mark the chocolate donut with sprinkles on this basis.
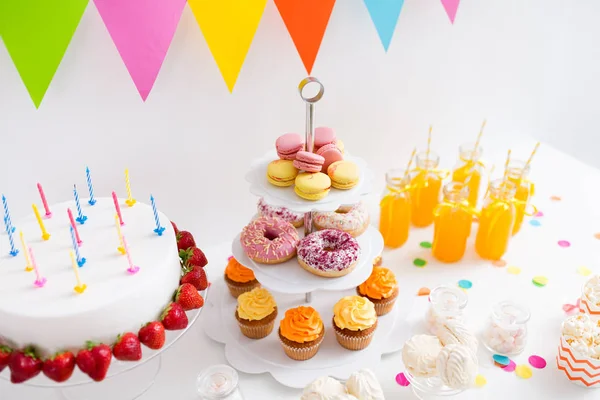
(330, 253)
(269, 240)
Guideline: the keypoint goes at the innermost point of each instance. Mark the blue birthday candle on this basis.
(7, 221)
(91, 201)
(80, 260)
(81, 218)
(13, 250)
(159, 229)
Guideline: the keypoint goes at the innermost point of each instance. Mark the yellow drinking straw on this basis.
(121, 247)
(80, 288)
(28, 266)
(130, 200)
(506, 166)
(535, 149)
(429, 141)
(478, 139)
(45, 234)
(412, 157)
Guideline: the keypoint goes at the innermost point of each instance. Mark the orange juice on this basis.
(425, 189)
(469, 167)
(394, 221)
(452, 224)
(496, 220)
(517, 174)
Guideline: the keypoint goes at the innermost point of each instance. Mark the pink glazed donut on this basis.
(269, 240)
(266, 210)
(329, 253)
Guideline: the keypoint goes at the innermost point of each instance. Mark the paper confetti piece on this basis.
(585, 271)
(569, 308)
(401, 379)
(555, 198)
(523, 371)
(501, 360)
(597, 235)
(539, 214)
(425, 245)
(499, 263)
(564, 243)
(510, 367)
(537, 362)
(513, 270)
(423, 291)
(540, 281)
(465, 284)
(535, 222)
(480, 381)
(419, 262)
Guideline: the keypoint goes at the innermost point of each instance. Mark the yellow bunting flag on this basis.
(228, 27)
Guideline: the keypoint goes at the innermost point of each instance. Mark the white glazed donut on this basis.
(266, 210)
(351, 219)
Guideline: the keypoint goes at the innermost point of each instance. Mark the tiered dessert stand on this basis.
(288, 281)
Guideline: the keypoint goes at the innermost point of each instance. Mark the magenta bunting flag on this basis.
(451, 6)
(142, 31)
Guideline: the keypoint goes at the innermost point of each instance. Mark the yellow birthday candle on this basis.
(28, 266)
(45, 234)
(80, 288)
(130, 200)
(121, 247)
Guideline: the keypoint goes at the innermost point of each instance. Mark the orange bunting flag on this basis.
(306, 21)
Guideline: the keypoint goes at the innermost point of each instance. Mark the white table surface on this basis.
(575, 218)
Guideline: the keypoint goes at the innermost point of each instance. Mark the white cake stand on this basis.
(266, 355)
(124, 380)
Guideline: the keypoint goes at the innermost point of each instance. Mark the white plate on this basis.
(290, 277)
(266, 355)
(286, 197)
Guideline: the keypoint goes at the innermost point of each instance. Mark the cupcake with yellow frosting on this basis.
(301, 333)
(381, 288)
(256, 312)
(354, 322)
(238, 278)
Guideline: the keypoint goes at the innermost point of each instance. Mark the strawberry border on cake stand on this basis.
(266, 355)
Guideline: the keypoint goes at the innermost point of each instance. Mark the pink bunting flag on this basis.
(451, 6)
(142, 31)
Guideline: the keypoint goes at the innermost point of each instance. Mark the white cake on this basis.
(55, 317)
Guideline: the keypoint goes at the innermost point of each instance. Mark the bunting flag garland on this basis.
(384, 14)
(451, 6)
(36, 34)
(228, 27)
(306, 21)
(142, 31)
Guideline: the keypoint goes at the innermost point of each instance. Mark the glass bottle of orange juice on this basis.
(452, 223)
(517, 173)
(469, 168)
(425, 189)
(496, 220)
(394, 221)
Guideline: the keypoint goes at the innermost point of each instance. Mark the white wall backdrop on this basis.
(529, 67)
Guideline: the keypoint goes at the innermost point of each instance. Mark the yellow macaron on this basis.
(312, 186)
(344, 174)
(340, 145)
(281, 173)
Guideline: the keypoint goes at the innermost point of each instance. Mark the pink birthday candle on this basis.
(44, 201)
(118, 208)
(132, 268)
(74, 225)
(39, 280)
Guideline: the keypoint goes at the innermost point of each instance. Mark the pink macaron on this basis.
(331, 153)
(323, 136)
(288, 145)
(308, 162)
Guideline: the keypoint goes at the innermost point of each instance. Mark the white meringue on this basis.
(419, 355)
(364, 385)
(324, 388)
(455, 332)
(457, 366)
(345, 397)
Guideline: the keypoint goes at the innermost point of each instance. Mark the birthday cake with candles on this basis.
(87, 271)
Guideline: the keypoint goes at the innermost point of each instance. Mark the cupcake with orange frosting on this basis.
(354, 322)
(301, 333)
(238, 278)
(256, 312)
(381, 288)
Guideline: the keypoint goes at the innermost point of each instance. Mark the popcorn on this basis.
(583, 335)
(591, 290)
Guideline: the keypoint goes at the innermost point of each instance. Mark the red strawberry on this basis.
(188, 297)
(94, 360)
(185, 240)
(196, 277)
(152, 335)
(174, 318)
(60, 367)
(127, 348)
(24, 365)
(175, 228)
(5, 353)
(192, 257)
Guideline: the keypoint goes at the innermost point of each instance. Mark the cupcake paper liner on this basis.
(384, 307)
(237, 290)
(257, 331)
(354, 342)
(301, 353)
